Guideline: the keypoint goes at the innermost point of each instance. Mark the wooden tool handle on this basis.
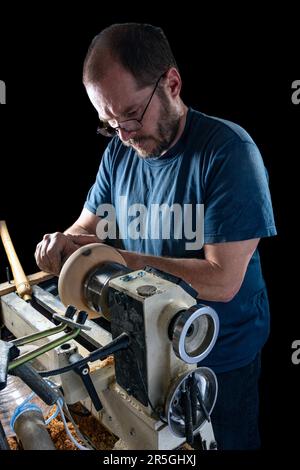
(22, 284)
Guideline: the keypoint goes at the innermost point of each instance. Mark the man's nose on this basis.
(126, 135)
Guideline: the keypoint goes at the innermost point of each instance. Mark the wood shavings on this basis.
(99, 436)
(12, 442)
(109, 361)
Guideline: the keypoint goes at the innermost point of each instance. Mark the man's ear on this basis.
(173, 82)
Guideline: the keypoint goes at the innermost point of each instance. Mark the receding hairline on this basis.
(142, 50)
(102, 59)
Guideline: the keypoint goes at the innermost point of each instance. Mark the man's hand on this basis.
(55, 248)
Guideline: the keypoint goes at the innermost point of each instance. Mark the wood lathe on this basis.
(154, 394)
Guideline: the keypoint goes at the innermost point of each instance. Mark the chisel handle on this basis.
(21, 282)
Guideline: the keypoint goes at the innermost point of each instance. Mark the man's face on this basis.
(117, 98)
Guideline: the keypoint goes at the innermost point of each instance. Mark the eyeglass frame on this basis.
(109, 131)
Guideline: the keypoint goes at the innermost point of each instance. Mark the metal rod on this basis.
(43, 349)
(32, 431)
(3, 440)
(39, 335)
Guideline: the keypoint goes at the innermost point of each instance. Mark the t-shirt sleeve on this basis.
(100, 192)
(237, 202)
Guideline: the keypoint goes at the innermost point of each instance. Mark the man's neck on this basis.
(184, 110)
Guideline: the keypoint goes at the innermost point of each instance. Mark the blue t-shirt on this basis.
(215, 166)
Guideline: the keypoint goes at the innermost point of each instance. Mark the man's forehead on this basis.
(115, 97)
(116, 81)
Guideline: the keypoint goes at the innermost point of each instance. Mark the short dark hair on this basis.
(142, 49)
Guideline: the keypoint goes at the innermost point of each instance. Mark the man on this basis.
(169, 160)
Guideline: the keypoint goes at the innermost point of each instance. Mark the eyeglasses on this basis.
(130, 125)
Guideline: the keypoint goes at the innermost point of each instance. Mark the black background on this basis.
(237, 68)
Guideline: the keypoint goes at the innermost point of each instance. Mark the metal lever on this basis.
(8, 351)
(84, 372)
(186, 402)
(66, 322)
(3, 439)
(71, 323)
(70, 312)
(193, 394)
(203, 407)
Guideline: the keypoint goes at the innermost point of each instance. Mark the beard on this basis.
(153, 146)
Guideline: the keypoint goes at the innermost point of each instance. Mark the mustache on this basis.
(138, 140)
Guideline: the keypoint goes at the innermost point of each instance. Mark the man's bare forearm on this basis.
(204, 276)
(77, 229)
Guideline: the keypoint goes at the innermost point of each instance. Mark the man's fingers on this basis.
(45, 265)
(54, 255)
(37, 252)
(44, 247)
(48, 253)
(41, 260)
(55, 248)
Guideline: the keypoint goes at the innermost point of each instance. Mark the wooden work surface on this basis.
(8, 287)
